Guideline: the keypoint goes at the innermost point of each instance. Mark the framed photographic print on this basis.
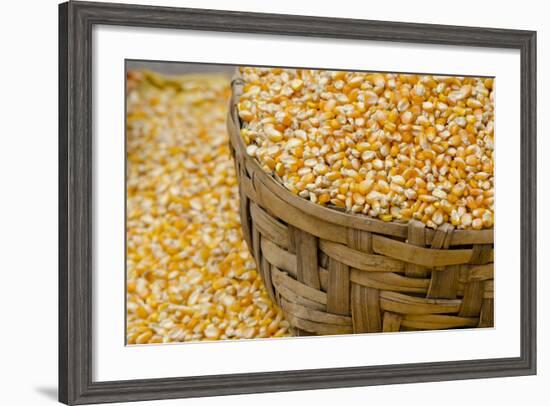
(260, 202)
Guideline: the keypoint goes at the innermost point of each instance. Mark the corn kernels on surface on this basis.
(391, 146)
(190, 276)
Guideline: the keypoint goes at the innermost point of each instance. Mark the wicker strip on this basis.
(392, 322)
(315, 315)
(338, 292)
(437, 322)
(365, 309)
(404, 304)
(306, 263)
(443, 283)
(270, 227)
(416, 236)
(486, 315)
(315, 327)
(282, 279)
(389, 281)
(413, 254)
(361, 260)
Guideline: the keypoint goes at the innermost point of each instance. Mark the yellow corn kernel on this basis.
(417, 128)
(157, 295)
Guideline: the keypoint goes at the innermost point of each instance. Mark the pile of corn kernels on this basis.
(189, 273)
(390, 146)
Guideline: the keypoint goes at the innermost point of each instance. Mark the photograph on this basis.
(263, 201)
(277, 202)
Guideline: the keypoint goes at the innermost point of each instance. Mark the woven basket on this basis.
(338, 273)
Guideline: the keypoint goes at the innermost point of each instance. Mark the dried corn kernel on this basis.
(377, 144)
(190, 275)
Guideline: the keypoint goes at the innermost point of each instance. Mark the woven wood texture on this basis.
(338, 273)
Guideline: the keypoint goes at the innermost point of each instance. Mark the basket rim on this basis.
(328, 214)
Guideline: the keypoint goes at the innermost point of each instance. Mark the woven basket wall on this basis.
(338, 273)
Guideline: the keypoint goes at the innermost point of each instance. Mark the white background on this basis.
(28, 201)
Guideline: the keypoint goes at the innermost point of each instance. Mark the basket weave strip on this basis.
(338, 273)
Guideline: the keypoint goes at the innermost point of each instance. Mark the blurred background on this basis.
(180, 68)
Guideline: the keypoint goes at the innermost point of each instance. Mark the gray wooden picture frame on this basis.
(76, 20)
